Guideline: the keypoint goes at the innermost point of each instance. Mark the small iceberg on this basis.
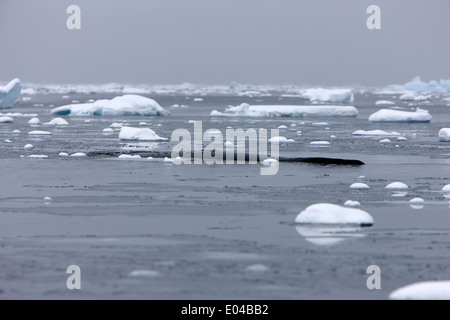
(359, 185)
(444, 134)
(39, 133)
(352, 204)
(425, 290)
(411, 96)
(396, 186)
(246, 110)
(139, 134)
(10, 94)
(375, 133)
(6, 120)
(34, 122)
(38, 156)
(384, 102)
(327, 213)
(387, 115)
(129, 157)
(320, 95)
(57, 122)
(127, 105)
(78, 154)
(319, 143)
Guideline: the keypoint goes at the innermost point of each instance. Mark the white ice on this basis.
(6, 120)
(359, 185)
(39, 133)
(425, 290)
(127, 105)
(38, 156)
(319, 143)
(28, 147)
(78, 154)
(375, 133)
(246, 110)
(10, 94)
(384, 102)
(321, 95)
(411, 96)
(57, 122)
(139, 134)
(351, 203)
(416, 200)
(444, 134)
(326, 213)
(396, 186)
(34, 122)
(387, 115)
(129, 156)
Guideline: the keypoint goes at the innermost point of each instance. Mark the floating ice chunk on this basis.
(179, 106)
(321, 95)
(293, 125)
(320, 143)
(385, 141)
(246, 110)
(6, 120)
(416, 200)
(38, 156)
(167, 160)
(444, 134)
(26, 98)
(144, 274)
(402, 139)
(411, 96)
(28, 147)
(351, 203)
(319, 123)
(387, 115)
(359, 185)
(142, 123)
(281, 139)
(282, 127)
(198, 99)
(10, 94)
(116, 125)
(108, 130)
(384, 102)
(333, 136)
(257, 268)
(63, 154)
(34, 122)
(426, 290)
(396, 186)
(16, 131)
(78, 154)
(129, 156)
(57, 122)
(375, 133)
(446, 188)
(48, 199)
(127, 105)
(326, 213)
(7, 141)
(65, 97)
(18, 114)
(299, 133)
(139, 134)
(39, 133)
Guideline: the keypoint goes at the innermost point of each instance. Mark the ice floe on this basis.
(246, 110)
(38, 156)
(397, 186)
(375, 133)
(387, 115)
(327, 213)
(63, 154)
(28, 146)
(352, 203)
(78, 154)
(319, 143)
(411, 96)
(127, 105)
(444, 134)
(57, 122)
(6, 120)
(39, 133)
(425, 290)
(384, 102)
(10, 94)
(34, 122)
(359, 185)
(385, 141)
(129, 157)
(139, 134)
(320, 95)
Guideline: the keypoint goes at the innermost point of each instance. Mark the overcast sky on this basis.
(302, 42)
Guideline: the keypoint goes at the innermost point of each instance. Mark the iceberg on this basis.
(425, 290)
(6, 120)
(327, 213)
(320, 95)
(127, 105)
(417, 85)
(387, 115)
(359, 185)
(444, 134)
(10, 94)
(246, 110)
(375, 133)
(396, 186)
(139, 134)
(411, 96)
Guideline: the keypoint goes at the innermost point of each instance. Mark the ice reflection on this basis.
(329, 235)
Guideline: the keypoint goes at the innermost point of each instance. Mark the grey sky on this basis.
(310, 42)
